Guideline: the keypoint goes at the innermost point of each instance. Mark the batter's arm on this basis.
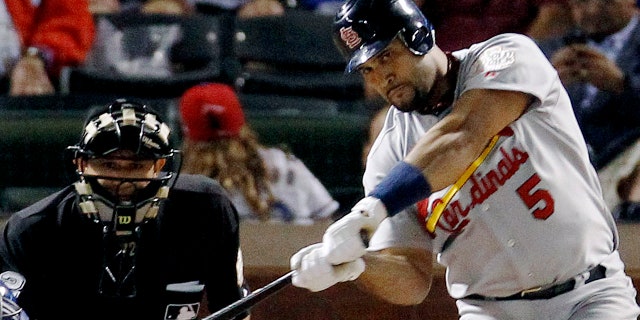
(449, 147)
(398, 275)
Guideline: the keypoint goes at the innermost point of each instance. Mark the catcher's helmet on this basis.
(362, 28)
(10, 285)
(124, 125)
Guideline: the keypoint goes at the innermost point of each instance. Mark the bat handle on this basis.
(254, 297)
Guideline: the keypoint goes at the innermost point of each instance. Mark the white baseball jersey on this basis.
(532, 213)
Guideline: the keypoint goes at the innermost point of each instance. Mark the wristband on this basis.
(402, 187)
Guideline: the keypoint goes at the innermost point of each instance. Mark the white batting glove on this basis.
(314, 273)
(343, 240)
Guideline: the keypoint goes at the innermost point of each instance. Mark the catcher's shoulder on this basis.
(197, 183)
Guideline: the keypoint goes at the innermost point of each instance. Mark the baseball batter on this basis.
(482, 146)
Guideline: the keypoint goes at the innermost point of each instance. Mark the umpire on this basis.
(130, 239)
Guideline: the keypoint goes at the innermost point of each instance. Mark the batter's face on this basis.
(122, 164)
(401, 77)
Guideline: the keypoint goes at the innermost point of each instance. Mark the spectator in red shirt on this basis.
(37, 41)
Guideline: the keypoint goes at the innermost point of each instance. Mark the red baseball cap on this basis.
(211, 111)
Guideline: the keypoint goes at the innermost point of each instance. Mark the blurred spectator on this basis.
(137, 50)
(104, 6)
(242, 8)
(465, 22)
(599, 64)
(628, 189)
(37, 41)
(260, 8)
(328, 7)
(177, 7)
(462, 23)
(265, 183)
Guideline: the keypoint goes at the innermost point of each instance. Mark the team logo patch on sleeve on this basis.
(496, 58)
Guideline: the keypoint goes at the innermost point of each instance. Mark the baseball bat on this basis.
(234, 309)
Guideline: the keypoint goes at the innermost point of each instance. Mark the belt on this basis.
(596, 273)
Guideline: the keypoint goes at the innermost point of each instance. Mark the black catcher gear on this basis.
(130, 126)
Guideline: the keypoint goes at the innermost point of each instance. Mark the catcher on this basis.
(130, 239)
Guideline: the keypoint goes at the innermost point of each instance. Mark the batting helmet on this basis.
(362, 28)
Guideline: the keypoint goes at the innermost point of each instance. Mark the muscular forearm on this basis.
(443, 154)
(445, 146)
(399, 276)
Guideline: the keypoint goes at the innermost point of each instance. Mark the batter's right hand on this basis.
(343, 240)
(315, 273)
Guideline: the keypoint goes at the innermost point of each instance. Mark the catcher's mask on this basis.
(10, 285)
(134, 130)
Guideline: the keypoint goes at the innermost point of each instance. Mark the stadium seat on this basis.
(154, 55)
(292, 54)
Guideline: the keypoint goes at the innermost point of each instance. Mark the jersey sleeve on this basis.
(400, 132)
(509, 62)
(390, 147)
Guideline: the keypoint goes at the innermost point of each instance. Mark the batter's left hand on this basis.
(343, 239)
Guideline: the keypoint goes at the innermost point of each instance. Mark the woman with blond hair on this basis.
(265, 183)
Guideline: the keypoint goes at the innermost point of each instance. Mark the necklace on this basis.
(453, 65)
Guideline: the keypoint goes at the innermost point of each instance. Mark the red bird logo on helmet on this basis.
(350, 37)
